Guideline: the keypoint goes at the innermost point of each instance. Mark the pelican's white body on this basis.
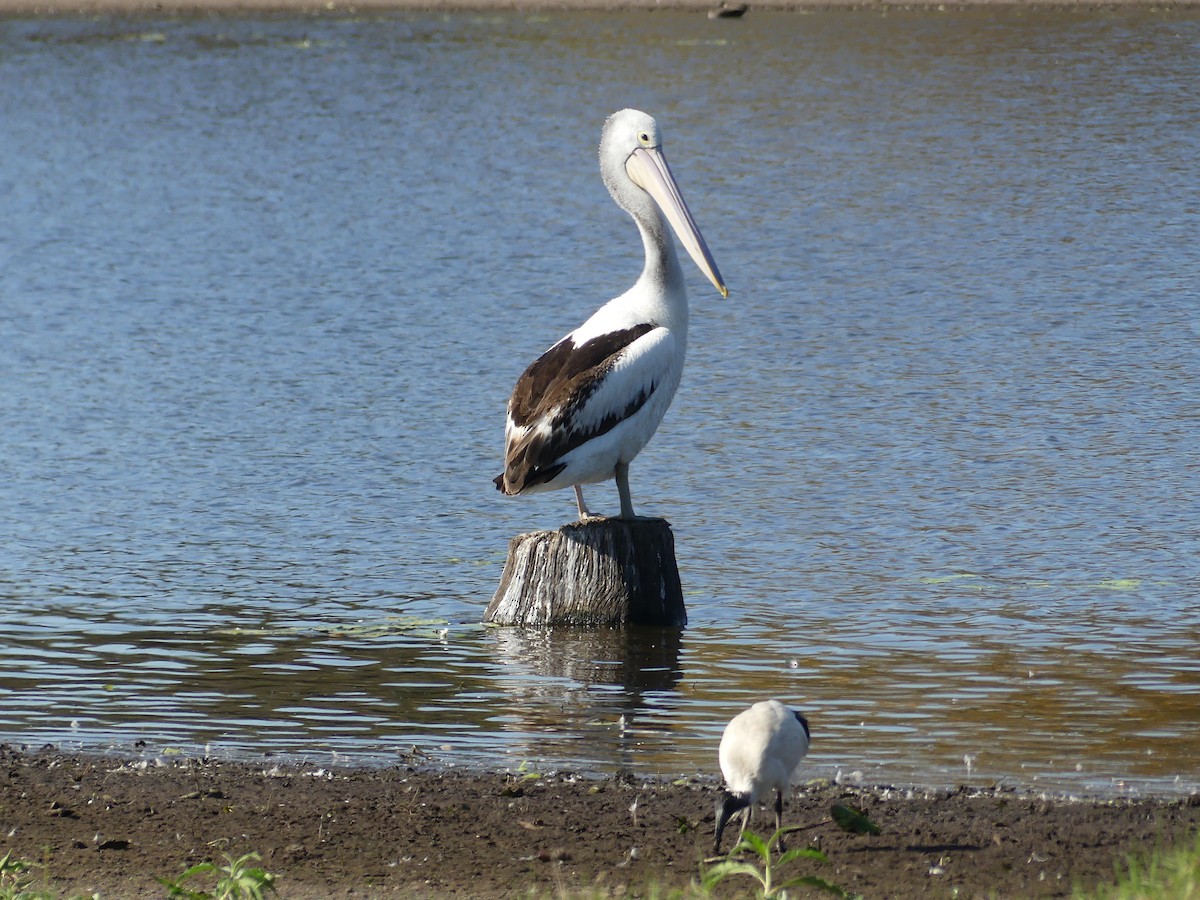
(653, 364)
(761, 750)
(583, 420)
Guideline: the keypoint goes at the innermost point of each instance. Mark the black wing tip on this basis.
(803, 720)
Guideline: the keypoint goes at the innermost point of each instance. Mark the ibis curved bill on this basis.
(587, 406)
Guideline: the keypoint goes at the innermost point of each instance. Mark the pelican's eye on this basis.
(644, 137)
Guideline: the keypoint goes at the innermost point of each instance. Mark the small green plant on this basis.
(524, 771)
(1163, 875)
(16, 880)
(237, 880)
(765, 870)
(852, 819)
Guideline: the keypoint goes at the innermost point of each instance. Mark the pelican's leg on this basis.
(622, 474)
(583, 510)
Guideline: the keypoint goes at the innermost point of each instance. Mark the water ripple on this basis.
(929, 469)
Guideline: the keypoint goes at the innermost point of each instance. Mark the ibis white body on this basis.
(760, 752)
(588, 405)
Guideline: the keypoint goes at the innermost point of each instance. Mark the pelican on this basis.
(760, 751)
(588, 405)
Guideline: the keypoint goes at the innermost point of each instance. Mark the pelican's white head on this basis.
(635, 172)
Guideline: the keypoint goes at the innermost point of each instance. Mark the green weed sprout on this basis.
(1164, 874)
(237, 880)
(15, 880)
(765, 870)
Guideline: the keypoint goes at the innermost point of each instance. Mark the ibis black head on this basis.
(727, 805)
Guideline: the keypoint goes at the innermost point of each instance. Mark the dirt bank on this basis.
(110, 825)
(358, 7)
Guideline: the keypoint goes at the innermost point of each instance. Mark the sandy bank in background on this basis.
(352, 7)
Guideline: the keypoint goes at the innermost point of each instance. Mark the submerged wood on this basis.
(600, 573)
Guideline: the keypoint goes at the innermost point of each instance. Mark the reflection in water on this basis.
(634, 661)
(564, 683)
(929, 471)
(1027, 702)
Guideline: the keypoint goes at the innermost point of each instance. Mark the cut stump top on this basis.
(601, 572)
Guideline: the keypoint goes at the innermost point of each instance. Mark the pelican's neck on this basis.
(661, 283)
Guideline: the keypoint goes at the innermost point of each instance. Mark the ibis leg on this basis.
(779, 817)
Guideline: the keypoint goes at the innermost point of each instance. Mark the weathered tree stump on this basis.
(601, 573)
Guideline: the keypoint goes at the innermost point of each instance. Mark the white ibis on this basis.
(760, 751)
(589, 404)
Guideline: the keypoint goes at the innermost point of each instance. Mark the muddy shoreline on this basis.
(113, 825)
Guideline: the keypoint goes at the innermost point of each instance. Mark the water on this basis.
(265, 284)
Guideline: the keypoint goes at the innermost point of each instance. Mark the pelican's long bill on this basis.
(649, 170)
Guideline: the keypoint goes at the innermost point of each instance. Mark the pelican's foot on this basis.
(595, 518)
